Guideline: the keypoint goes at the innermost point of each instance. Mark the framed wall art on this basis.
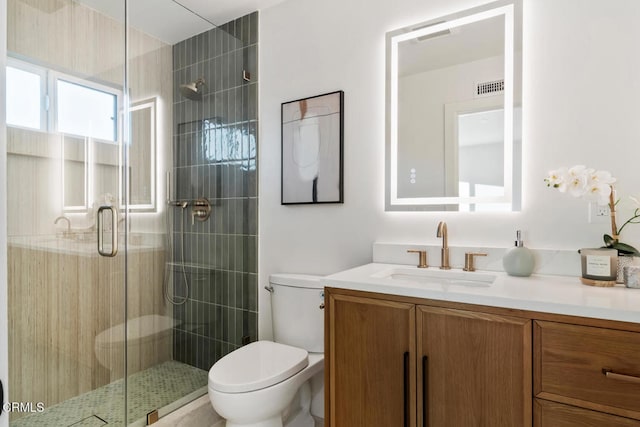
(312, 149)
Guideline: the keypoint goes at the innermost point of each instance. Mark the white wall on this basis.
(581, 102)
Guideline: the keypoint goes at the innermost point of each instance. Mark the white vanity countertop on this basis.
(542, 293)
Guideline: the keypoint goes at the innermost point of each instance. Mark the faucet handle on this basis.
(422, 260)
(469, 258)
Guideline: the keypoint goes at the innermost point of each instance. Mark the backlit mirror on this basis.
(84, 177)
(74, 173)
(141, 150)
(454, 112)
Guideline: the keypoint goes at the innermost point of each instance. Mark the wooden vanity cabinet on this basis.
(372, 359)
(399, 363)
(474, 369)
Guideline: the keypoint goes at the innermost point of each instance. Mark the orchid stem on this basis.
(612, 209)
(636, 215)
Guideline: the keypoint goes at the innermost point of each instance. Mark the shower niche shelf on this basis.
(193, 266)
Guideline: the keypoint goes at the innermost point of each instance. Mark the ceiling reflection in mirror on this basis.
(453, 112)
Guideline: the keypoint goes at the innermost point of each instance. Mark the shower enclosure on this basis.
(121, 291)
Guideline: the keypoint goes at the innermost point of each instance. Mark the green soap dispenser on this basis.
(518, 261)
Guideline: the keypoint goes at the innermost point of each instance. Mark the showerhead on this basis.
(193, 90)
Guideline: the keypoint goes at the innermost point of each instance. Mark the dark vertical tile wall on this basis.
(215, 157)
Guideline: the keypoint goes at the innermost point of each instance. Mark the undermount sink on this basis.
(436, 277)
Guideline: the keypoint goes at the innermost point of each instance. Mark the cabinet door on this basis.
(371, 362)
(474, 369)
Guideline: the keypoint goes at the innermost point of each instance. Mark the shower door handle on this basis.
(114, 231)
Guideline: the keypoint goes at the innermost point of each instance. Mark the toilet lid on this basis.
(255, 366)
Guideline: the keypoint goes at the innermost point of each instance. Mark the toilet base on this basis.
(298, 417)
(301, 419)
(298, 414)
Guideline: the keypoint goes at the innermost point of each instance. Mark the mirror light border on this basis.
(151, 105)
(396, 37)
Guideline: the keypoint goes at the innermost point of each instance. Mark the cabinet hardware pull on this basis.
(618, 376)
(406, 389)
(425, 388)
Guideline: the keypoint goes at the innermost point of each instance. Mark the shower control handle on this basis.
(114, 231)
(200, 210)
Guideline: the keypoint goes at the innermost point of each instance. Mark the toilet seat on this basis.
(256, 366)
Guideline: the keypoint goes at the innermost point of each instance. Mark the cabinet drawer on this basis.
(552, 414)
(570, 361)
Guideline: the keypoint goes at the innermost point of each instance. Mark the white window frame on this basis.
(49, 97)
(55, 76)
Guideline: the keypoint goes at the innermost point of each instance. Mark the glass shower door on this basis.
(118, 301)
(67, 114)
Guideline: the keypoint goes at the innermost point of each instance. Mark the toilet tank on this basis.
(298, 319)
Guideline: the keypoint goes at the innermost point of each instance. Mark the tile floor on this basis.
(103, 406)
(150, 389)
(199, 413)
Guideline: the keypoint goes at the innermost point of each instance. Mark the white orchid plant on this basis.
(595, 186)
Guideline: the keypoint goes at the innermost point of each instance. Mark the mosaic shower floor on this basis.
(150, 389)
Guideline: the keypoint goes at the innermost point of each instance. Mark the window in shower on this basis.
(25, 96)
(42, 99)
(85, 110)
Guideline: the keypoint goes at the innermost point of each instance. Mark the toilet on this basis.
(277, 383)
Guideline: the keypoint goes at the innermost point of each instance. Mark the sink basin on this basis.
(436, 277)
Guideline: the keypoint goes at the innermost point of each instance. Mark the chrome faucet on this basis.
(68, 224)
(442, 232)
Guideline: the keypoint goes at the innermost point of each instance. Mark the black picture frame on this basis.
(312, 146)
